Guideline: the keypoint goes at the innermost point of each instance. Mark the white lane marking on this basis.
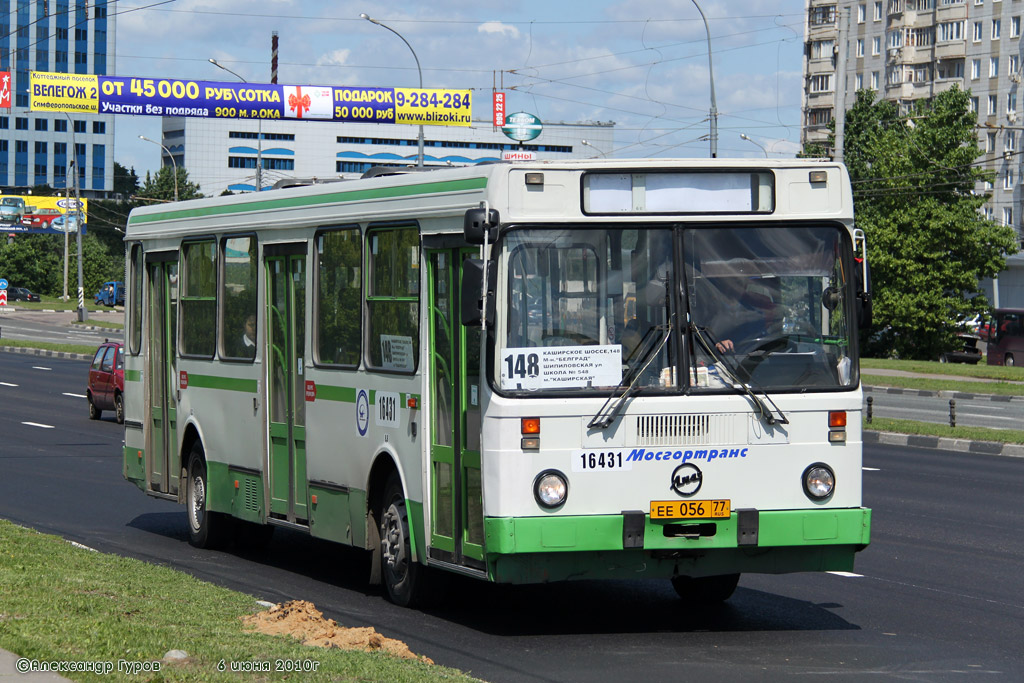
(66, 393)
(849, 575)
(866, 469)
(36, 424)
(40, 367)
(7, 384)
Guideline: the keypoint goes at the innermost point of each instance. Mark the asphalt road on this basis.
(936, 597)
(57, 327)
(976, 412)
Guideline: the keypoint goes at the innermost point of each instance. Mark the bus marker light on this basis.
(837, 436)
(313, 499)
(837, 418)
(534, 178)
(818, 176)
(531, 443)
(236, 484)
(411, 402)
(530, 425)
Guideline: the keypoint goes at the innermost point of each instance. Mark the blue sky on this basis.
(643, 65)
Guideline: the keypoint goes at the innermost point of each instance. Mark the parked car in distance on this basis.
(967, 350)
(21, 294)
(110, 294)
(106, 381)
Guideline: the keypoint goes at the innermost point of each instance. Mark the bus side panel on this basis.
(215, 396)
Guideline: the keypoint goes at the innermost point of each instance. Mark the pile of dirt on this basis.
(301, 619)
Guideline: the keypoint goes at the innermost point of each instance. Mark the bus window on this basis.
(392, 298)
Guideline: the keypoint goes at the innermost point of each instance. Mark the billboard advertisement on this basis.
(92, 94)
(33, 214)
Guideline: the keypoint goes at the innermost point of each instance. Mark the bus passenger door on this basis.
(456, 503)
(286, 343)
(163, 380)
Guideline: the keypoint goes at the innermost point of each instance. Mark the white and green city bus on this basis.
(522, 372)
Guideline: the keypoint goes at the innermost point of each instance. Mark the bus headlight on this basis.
(550, 488)
(819, 481)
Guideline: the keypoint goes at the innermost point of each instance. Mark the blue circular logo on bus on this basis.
(362, 411)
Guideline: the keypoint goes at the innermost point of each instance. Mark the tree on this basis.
(161, 185)
(126, 182)
(913, 179)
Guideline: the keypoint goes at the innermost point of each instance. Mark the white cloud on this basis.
(335, 58)
(498, 27)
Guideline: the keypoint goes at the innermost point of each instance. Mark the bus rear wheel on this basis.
(205, 529)
(705, 590)
(403, 578)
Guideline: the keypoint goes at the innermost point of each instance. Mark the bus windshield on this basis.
(588, 310)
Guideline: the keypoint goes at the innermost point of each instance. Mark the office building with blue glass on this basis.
(38, 148)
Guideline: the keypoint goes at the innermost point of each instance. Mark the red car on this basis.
(106, 381)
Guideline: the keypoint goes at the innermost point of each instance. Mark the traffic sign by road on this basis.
(3, 284)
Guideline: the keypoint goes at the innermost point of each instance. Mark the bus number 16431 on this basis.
(600, 461)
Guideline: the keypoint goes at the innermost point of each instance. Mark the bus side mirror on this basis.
(476, 221)
(863, 310)
(473, 291)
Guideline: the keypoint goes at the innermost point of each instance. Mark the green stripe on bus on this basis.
(291, 202)
(327, 392)
(133, 375)
(226, 383)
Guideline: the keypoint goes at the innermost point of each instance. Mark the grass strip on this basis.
(68, 604)
(885, 424)
(996, 372)
(952, 384)
(50, 346)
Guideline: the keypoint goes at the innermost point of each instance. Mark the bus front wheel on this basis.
(205, 529)
(402, 576)
(706, 590)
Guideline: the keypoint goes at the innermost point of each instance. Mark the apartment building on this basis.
(911, 49)
(65, 36)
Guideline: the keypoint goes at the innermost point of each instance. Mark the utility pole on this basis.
(840, 87)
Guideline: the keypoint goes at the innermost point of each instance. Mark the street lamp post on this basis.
(711, 76)
(419, 154)
(259, 129)
(749, 139)
(587, 143)
(173, 163)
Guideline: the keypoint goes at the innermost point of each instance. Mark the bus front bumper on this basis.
(631, 545)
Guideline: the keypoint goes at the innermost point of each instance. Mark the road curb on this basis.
(962, 395)
(47, 354)
(945, 444)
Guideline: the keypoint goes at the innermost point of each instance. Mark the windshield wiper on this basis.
(743, 387)
(645, 352)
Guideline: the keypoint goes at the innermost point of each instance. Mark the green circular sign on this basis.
(521, 126)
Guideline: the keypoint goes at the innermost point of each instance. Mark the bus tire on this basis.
(402, 576)
(94, 412)
(706, 590)
(206, 529)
